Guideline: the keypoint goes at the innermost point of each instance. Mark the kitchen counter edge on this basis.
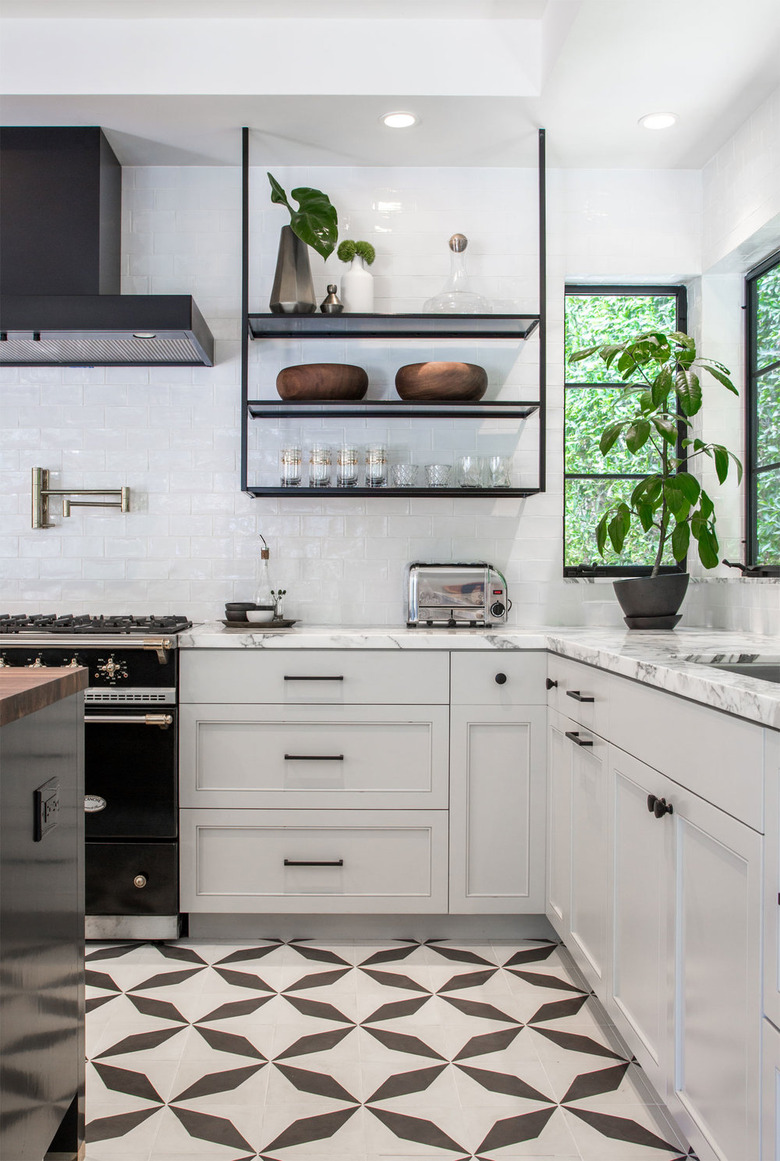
(23, 692)
(670, 661)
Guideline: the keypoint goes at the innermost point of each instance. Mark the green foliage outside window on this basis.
(766, 401)
(591, 320)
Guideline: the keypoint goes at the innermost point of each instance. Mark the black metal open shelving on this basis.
(391, 326)
(389, 409)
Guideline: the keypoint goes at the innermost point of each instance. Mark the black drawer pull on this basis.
(575, 693)
(500, 679)
(310, 677)
(578, 741)
(550, 684)
(315, 863)
(314, 757)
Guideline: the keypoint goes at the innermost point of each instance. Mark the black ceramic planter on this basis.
(651, 602)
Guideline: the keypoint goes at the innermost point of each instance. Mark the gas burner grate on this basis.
(93, 626)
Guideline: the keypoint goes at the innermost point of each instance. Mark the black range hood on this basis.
(60, 217)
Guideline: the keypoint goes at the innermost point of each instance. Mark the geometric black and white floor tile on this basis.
(299, 1051)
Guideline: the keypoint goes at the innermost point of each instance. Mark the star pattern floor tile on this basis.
(297, 1051)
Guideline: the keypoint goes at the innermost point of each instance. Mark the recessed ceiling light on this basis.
(658, 120)
(399, 120)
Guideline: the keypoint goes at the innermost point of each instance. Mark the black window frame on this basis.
(680, 294)
(752, 375)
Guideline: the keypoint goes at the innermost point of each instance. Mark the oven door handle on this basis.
(161, 720)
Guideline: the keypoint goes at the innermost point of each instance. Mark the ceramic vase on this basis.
(357, 288)
(293, 288)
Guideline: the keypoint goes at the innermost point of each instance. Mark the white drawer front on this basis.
(358, 861)
(580, 692)
(498, 677)
(312, 676)
(356, 756)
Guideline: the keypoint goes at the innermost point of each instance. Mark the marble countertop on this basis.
(670, 661)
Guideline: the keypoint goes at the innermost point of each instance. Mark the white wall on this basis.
(190, 541)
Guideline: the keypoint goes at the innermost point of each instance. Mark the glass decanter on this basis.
(456, 296)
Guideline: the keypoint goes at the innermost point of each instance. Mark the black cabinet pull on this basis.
(651, 801)
(578, 741)
(550, 684)
(500, 679)
(662, 807)
(314, 757)
(311, 677)
(575, 693)
(314, 863)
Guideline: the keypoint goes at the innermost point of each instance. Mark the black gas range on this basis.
(130, 759)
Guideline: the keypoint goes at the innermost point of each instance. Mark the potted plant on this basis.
(315, 224)
(357, 285)
(669, 503)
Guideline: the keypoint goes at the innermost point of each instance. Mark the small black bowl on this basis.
(236, 610)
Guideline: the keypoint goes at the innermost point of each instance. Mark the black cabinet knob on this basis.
(662, 807)
(550, 684)
(651, 801)
(500, 679)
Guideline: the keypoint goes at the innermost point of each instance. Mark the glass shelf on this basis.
(346, 492)
(392, 326)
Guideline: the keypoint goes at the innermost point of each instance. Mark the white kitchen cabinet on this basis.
(642, 856)
(559, 757)
(497, 809)
(772, 878)
(770, 1093)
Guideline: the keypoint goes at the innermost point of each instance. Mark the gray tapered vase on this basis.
(293, 289)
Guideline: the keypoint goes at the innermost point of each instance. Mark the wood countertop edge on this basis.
(24, 691)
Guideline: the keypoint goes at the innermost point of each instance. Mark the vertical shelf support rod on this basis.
(542, 314)
(244, 305)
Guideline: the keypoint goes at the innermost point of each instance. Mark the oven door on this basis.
(130, 773)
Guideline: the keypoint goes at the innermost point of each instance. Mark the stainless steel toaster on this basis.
(456, 595)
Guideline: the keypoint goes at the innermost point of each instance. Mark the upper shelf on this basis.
(391, 408)
(392, 326)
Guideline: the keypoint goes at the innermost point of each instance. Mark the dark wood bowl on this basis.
(322, 381)
(464, 382)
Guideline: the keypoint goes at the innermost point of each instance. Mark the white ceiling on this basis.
(602, 64)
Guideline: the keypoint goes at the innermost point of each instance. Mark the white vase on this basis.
(357, 288)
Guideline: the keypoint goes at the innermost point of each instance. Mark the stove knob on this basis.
(139, 881)
(3, 662)
(36, 664)
(111, 669)
(74, 662)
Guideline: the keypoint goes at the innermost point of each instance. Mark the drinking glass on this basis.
(404, 475)
(471, 472)
(290, 467)
(319, 466)
(499, 472)
(376, 466)
(347, 466)
(437, 475)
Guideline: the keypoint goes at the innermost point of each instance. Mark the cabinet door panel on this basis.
(770, 1090)
(590, 862)
(642, 853)
(772, 879)
(559, 759)
(718, 971)
(497, 809)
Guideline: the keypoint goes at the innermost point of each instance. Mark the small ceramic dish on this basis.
(260, 614)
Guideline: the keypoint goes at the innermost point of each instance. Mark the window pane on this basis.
(593, 319)
(768, 427)
(585, 503)
(588, 411)
(768, 517)
(768, 318)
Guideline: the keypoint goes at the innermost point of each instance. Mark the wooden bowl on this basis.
(432, 382)
(322, 381)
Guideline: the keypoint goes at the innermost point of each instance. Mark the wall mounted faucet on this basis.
(41, 493)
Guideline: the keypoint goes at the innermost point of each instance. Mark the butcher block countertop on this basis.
(23, 691)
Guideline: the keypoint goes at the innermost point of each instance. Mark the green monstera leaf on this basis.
(315, 221)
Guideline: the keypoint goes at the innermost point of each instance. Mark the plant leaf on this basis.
(689, 486)
(315, 221)
(609, 436)
(708, 546)
(688, 390)
(721, 457)
(278, 196)
(706, 506)
(645, 512)
(637, 435)
(601, 534)
(585, 353)
(681, 538)
(720, 373)
(675, 501)
(618, 527)
(666, 427)
(661, 387)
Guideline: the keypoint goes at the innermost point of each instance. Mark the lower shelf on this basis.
(347, 492)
